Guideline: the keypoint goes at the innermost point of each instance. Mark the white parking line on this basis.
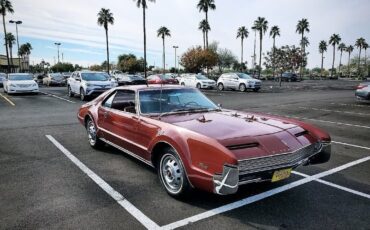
(335, 185)
(352, 145)
(61, 98)
(335, 111)
(141, 217)
(7, 99)
(260, 196)
(352, 105)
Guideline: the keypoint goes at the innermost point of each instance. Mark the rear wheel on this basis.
(172, 174)
(199, 86)
(220, 86)
(182, 83)
(70, 93)
(242, 87)
(94, 140)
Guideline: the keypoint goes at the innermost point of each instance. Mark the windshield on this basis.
(20, 77)
(244, 76)
(94, 76)
(201, 77)
(56, 76)
(173, 100)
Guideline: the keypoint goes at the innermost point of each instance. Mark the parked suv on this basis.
(197, 80)
(88, 83)
(238, 81)
(363, 91)
(287, 77)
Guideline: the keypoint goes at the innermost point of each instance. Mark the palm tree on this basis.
(105, 17)
(341, 47)
(302, 27)
(142, 4)
(304, 42)
(205, 6)
(365, 46)
(274, 32)
(261, 25)
(323, 46)
(349, 49)
(334, 40)
(6, 7)
(204, 27)
(163, 32)
(242, 34)
(359, 44)
(10, 40)
(254, 49)
(24, 51)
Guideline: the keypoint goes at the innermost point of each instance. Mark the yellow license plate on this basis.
(281, 174)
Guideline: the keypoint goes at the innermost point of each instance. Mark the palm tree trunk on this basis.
(349, 62)
(340, 60)
(359, 61)
(273, 58)
(144, 30)
(302, 52)
(254, 51)
(207, 30)
(163, 56)
(322, 64)
(6, 44)
(241, 57)
(365, 58)
(204, 40)
(106, 41)
(260, 67)
(332, 67)
(11, 54)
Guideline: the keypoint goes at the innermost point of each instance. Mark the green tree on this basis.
(323, 47)
(10, 41)
(6, 7)
(195, 59)
(143, 5)
(105, 17)
(274, 32)
(24, 51)
(365, 46)
(304, 42)
(225, 59)
(204, 27)
(261, 25)
(62, 67)
(359, 44)
(242, 34)
(302, 27)
(205, 6)
(163, 32)
(334, 40)
(341, 47)
(349, 49)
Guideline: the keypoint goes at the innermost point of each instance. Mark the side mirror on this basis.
(78, 79)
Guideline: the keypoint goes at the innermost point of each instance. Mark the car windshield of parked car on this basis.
(173, 100)
(20, 77)
(244, 76)
(201, 77)
(95, 77)
(56, 76)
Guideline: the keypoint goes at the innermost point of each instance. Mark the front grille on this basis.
(24, 85)
(278, 161)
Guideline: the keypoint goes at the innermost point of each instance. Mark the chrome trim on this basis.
(128, 152)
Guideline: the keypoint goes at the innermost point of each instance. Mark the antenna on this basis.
(160, 97)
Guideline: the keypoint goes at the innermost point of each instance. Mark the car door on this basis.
(120, 122)
(77, 83)
(193, 81)
(234, 81)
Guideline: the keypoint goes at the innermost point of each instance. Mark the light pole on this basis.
(175, 47)
(16, 29)
(58, 44)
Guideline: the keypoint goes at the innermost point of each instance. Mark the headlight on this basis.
(34, 84)
(88, 84)
(12, 85)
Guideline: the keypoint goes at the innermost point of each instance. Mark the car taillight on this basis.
(361, 86)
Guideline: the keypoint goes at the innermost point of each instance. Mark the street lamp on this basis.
(175, 47)
(58, 44)
(16, 28)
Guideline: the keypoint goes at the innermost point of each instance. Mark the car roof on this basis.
(150, 87)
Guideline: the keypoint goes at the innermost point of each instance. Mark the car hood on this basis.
(230, 128)
(24, 82)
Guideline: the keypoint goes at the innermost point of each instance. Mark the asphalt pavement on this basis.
(41, 187)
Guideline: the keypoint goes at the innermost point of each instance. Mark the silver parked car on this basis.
(238, 81)
(363, 91)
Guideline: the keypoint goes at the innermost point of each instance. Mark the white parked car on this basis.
(197, 80)
(89, 83)
(363, 91)
(238, 81)
(20, 83)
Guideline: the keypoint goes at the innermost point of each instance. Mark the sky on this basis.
(74, 24)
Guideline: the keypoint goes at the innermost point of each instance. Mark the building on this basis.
(17, 62)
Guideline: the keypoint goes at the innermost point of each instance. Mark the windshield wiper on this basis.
(186, 110)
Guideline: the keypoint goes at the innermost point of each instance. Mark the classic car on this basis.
(193, 143)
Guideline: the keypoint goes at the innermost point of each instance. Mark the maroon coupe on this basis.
(193, 143)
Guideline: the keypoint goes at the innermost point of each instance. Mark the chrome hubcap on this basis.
(91, 132)
(242, 88)
(171, 173)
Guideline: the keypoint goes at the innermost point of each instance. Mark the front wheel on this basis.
(220, 86)
(242, 87)
(82, 94)
(172, 174)
(199, 86)
(182, 83)
(70, 93)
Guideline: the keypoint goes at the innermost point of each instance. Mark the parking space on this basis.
(42, 187)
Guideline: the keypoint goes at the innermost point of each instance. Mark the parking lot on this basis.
(51, 178)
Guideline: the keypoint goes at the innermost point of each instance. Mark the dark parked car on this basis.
(161, 79)
(287, 77)
(131, 80)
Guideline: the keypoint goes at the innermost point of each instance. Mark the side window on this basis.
(124, 100)
(108, 102)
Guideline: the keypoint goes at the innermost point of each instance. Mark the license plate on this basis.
(281, 174)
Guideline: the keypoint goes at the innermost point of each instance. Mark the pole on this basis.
(175, 47)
